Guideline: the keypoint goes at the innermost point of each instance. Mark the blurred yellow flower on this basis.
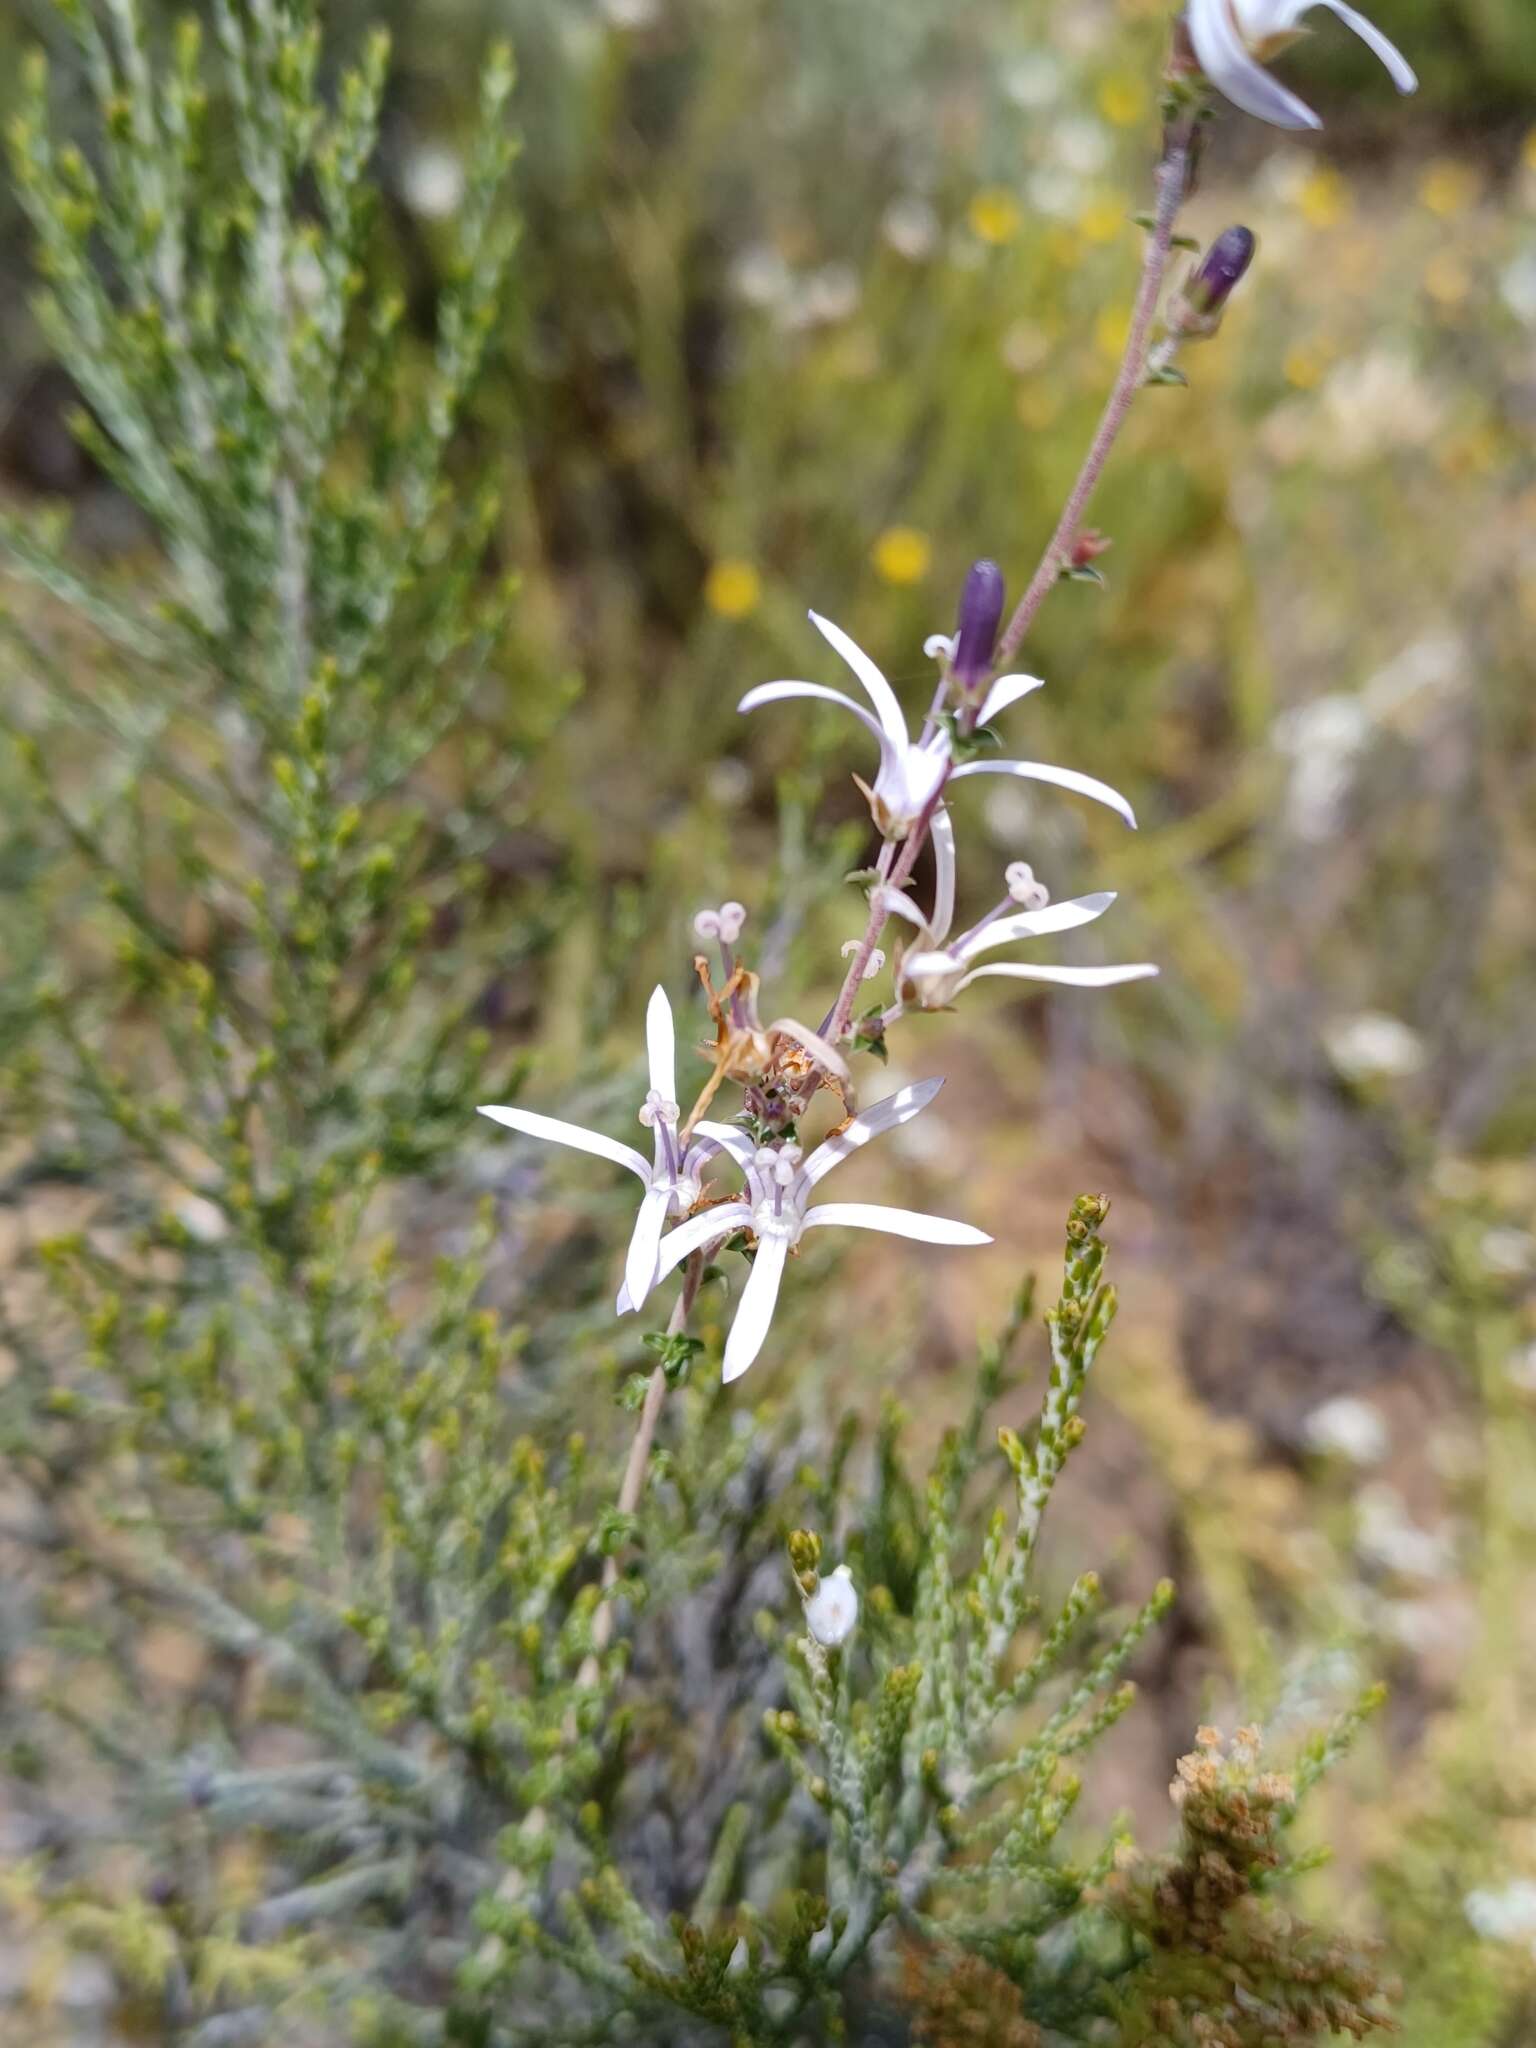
(1038, 406)
(1529, 151)
(994, 215)
(1446, 279)
(1122, 100)
(1064, 247)
(902, 555)
(1304, 367)
(1103, 219)
(733, 589)
(1324, 199)
(1448, 187)
(1111, 330)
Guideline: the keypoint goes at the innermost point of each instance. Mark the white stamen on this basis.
(1023, 887)
(656, 1109)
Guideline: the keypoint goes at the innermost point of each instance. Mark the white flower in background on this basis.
(935, 968)
(911, 771)
(671, 1178)
(833, 1609)
(432, 181)
(1508, 1914)
(1234, 39)
(776, 1210)
(1374, 1046)
(1348, 1427)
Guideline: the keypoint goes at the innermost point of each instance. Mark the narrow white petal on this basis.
(661, 1044)
(897, 903)
(869, 1123)
(777, 693)
(1404, 77)
(1062, 778)
(759, 1298)
(1232, 68)
(698, 1231)
(640, 1264)
(1005, 691)
(1038, 924)
(896, 1222)
(942, 834)
(730, 1138)
(554, 1131)
(881, 695)
(1067, 977)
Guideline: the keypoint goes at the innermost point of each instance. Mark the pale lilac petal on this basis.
(640, 1264)
(759, 1298)
(1067, 977)
(1038, 924)
(661, 1044)
(554, 1131)
(896, 1222)
(778, 693)
(1232, 68)
(881, 695)
(942, 834)
(897, 903)
(697, 1231)
(1005, 691)
(1062, 778)
(1404, 77)
(730, 1138)
(869, 1123)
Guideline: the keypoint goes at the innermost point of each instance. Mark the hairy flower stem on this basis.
(633, 1482)
(1172, 183)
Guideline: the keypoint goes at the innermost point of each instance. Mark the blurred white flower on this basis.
(1034, 82)
(1234, 38)
(1517, 287)
(1081, 145)
(1508, 1252)
(629, 13)
(1386, 1536)
(833, 1608)
(1054, 192)
(432, 181)
(760, 275)
(911, 771)
(776, 1210)
(911, 227)
(1374, 1046)
(1521, 1369)
(672, 1179)
(1348, 1427)
(1508, 1914)
(829, 295)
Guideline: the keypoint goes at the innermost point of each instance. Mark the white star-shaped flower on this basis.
(911, 770)
(934, 970)
(776, 1210)
(671, 1178)
(1233, 38)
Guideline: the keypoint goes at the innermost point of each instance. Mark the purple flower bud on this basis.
(1225, 266)
(981, 613)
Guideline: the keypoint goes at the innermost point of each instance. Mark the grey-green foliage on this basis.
(261, 769)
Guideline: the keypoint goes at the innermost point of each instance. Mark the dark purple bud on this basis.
(1225, 266)
(981, 613)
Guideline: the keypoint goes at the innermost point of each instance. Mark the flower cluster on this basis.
(763, 1205)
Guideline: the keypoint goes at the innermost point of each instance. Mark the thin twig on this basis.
(1172, 180)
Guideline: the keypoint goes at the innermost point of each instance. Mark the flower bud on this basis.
(833, 1608)
(1208, 288)
(981, 613)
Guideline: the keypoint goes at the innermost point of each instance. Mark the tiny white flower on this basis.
(1374, 1046)
(833, 1609)
(1349, 1428)
(776, 1210)
(911, 771)
(1508, 1914)
(911, 227)
(1234, 38)
(432, 181)
(1508, 1252)
(672, 1179)
(936, 968)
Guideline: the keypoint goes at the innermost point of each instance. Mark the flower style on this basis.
(935, 968)
(1234, 38)
(912, 772)
(776, 1210)
(672, 1178)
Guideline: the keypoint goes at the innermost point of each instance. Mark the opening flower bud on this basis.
(981, 613)
(1218, 276)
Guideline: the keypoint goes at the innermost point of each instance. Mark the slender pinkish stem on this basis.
(1172, 177)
